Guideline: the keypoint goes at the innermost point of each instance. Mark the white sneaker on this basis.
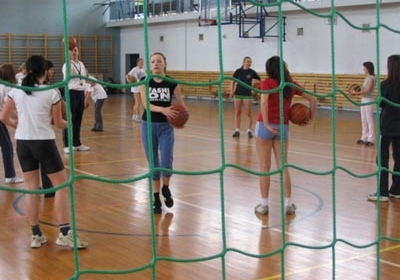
(66, 150)
(134, 117)
(374, 197)
(68, 240)
(263, 210)
(37, 241)
(14, 180)
(291, 209)
(82, 148)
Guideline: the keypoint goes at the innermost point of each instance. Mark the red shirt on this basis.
(273, 102)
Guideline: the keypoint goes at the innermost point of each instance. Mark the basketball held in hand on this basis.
(181, 118)
(63, 111)
(355, 88)
(131, 79)
(299, 114)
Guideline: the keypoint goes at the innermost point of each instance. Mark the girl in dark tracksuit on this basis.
(390, 132)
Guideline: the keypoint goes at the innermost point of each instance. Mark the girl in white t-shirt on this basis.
(367, 111)
(135, 75)
(36, 147)
(98, 95)
(7, 73)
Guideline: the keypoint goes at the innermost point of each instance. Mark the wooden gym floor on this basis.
(326, 239)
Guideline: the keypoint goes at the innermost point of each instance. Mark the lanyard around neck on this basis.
(79, 70)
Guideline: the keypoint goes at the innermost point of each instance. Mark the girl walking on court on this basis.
(36, 146)
(367, 111)
(160, 93)
(390, 132)
(268, 133)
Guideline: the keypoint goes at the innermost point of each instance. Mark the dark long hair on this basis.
(36, 67)
(273, 69)
(393, 69)
(7, 73)
(370, 67)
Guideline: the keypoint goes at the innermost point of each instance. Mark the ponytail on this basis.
(36, 67)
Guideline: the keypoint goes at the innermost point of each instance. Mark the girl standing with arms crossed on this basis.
(160, 93)
(36, 146)
(268, 134)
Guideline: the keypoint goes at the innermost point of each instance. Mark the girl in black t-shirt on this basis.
(159, 93)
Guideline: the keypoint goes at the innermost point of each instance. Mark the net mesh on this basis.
(332, 15)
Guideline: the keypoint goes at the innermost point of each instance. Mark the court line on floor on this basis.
(279, 276)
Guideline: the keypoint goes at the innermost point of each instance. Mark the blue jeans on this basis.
(162, 137)
(7, 151)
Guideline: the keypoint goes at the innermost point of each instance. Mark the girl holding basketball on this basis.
(367, 111)
(268, 133)
(160, 93)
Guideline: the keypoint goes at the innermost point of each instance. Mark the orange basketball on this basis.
(63, 111)
(355, 87)
(299, 114)
(181, 119)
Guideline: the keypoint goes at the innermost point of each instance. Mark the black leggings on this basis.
(31, 153)
(386, 141)
(77, 100)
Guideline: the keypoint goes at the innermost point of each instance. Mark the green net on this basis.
(333, 173)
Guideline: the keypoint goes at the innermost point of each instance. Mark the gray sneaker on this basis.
(263, 210)
(394, 195)
(81, 148)
(291, 209)
(374, 197)
(37, 241)
(68, 240)
(14, 180)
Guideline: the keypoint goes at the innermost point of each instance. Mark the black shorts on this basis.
(32, 153)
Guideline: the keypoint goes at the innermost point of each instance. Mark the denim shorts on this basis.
(262, 132)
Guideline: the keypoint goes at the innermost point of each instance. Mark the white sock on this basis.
(287, 201)
(264, 202)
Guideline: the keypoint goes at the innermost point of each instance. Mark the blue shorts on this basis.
(262, 132)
